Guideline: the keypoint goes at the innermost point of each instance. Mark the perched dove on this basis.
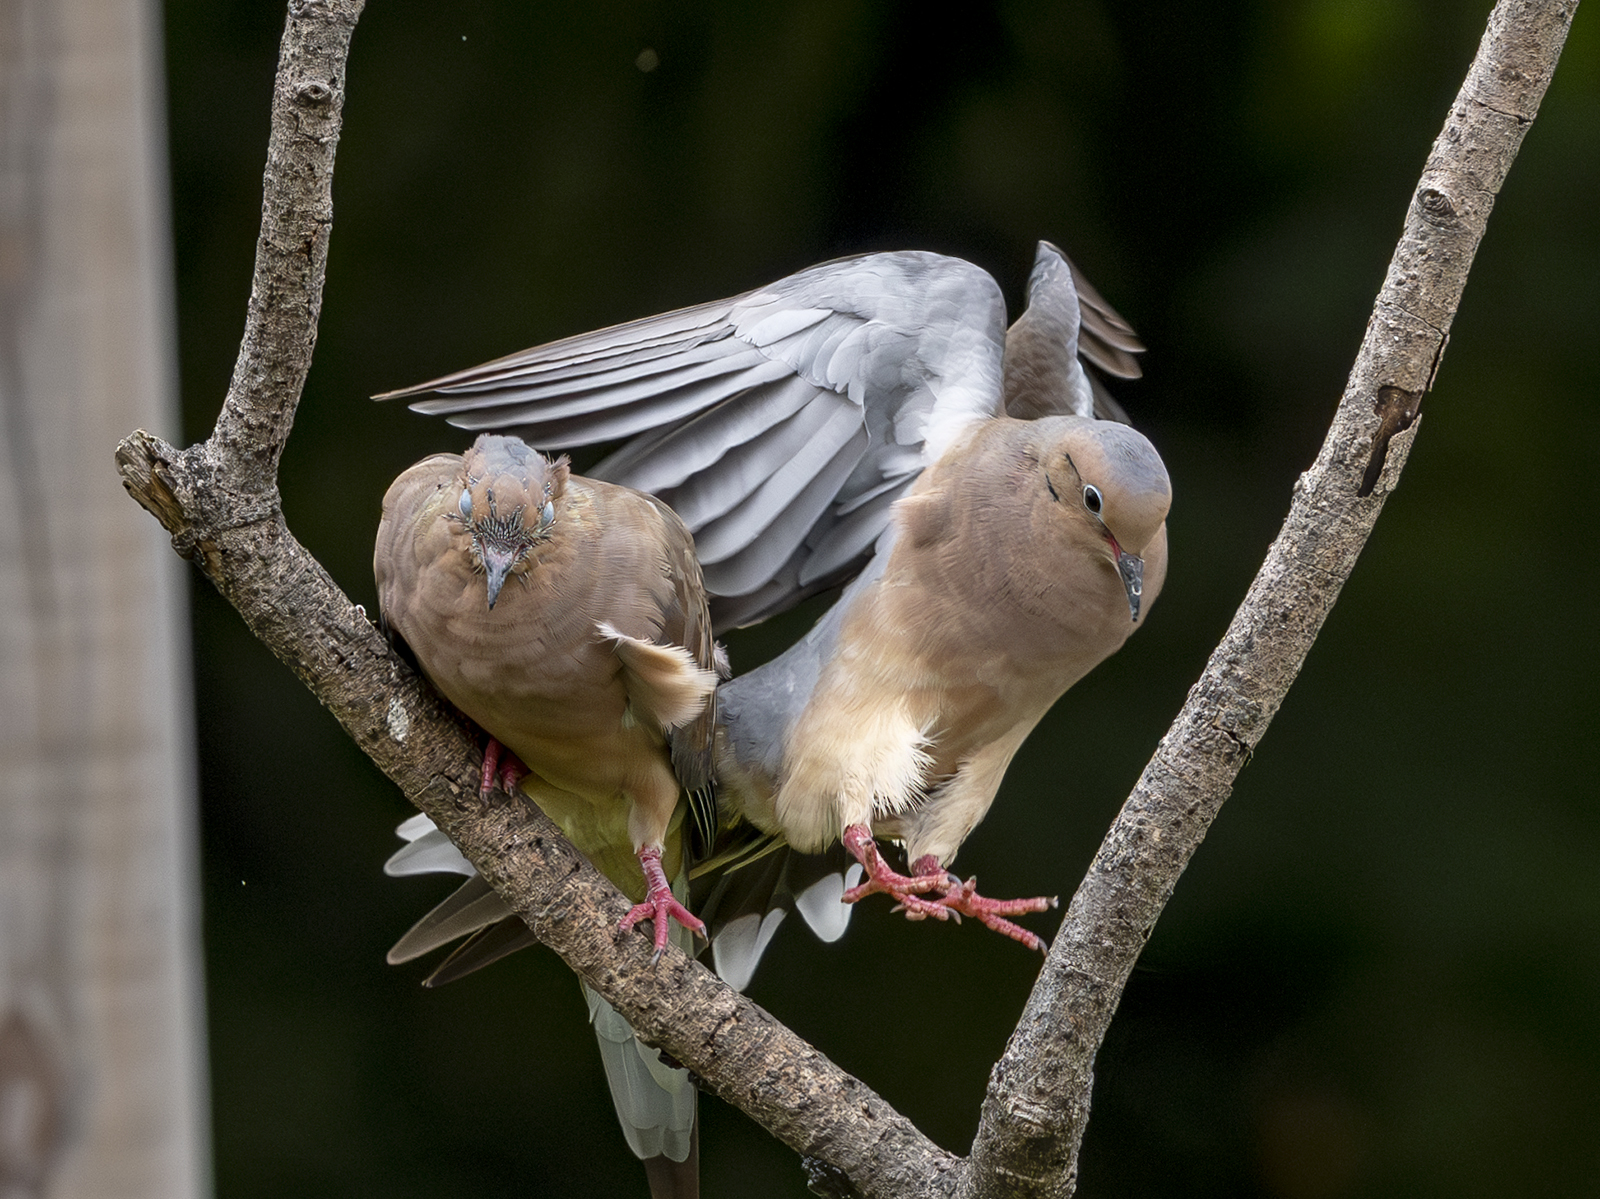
(567, 618)
(1019, 561)
(873, 417)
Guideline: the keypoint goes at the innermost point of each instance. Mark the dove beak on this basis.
(1130, 569)
(496, 566)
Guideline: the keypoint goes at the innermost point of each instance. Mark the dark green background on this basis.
(1381, 975)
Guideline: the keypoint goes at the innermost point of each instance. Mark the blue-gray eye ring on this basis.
(465, 504)
(547, 513)
(1091, 498)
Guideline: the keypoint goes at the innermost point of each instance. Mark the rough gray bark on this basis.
(220, 502)
(102, 1078)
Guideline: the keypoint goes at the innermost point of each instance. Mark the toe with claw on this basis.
(963, 897)
(500, 767)
(907, 891)
(659, 906)
(931, 890)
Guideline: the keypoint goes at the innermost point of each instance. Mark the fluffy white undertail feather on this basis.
(664, 684)
(856, 765)
(898, 767)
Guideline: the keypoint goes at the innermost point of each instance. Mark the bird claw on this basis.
(660, 906)
(921, 909)
(956, 898)
(963, 898)
(502, 767)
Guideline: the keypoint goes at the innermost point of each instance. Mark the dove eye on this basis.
(465, 504)
(1091, 498)
(547, 513)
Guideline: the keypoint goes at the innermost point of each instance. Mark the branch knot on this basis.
(313, 94)
(1437, 208)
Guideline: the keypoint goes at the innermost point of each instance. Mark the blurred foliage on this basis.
(1380, 975)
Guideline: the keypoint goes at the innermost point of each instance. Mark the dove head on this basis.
(1109, 480)
(506, 505)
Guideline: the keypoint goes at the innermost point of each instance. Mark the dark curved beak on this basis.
(496, 566)
(1130, 567)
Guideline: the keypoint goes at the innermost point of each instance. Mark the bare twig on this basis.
(1038, 1098)
(219, 500)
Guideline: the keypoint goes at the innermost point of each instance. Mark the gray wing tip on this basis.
(439, 384)
(1105, 336)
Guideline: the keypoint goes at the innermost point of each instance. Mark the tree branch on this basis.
(1038, 1098)
(220, 502)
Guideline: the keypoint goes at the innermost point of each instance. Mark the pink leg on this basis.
(659, 905)
(500, 766)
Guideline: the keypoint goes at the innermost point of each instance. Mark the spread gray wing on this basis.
(780, 424)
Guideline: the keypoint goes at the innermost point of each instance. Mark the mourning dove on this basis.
(872, 416)
(1021, 559)
(566, 617)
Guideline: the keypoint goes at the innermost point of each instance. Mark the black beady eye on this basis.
(1091, 498)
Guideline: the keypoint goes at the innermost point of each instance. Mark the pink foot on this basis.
(502, 767)
(906, 891)
(963, 897)
(659, 905)
(950, 897)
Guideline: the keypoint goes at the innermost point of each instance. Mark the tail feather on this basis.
(655, 1102)
(426, 851)
(472, 906)
(743, 894)
(676, 1180)
(748, 890)
(744, 904)
(738, 945)
(482, 948)
(822, 902)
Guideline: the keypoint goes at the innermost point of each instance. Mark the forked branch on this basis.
(219, 500)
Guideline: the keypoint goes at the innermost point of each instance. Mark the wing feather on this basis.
(782, 423)
(744, 469)
(663, 462)
(763, 552)
(574, 395)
